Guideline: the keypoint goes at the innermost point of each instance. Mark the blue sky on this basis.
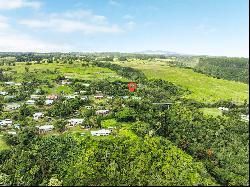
(212, 27)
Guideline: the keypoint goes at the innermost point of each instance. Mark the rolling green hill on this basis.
(203, 87)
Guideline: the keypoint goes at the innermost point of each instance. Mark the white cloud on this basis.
(82, 14)
(17, 42)
(152, 8)
(3, 22)
(205, 29)
(73, 21)
(15, 4)
(130, 25)
(128, 16)
(113, 2)
(13, 40)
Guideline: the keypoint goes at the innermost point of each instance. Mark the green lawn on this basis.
(75, 70)
(204, 88)
(3, 145)
(211, 111)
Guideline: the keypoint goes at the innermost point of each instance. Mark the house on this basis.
(38, 91)
(35, 96)
(88, 107)
(244, 117)
(82, 134)
(136, 98)
(38, 115)
(49, 102)
(12, 132)
(85, 84)
(16, 126)
(68, 77)
(98, 96)
(9, 83)
(66, 82)
(52, 97)
(18, 84)
(101, 112)
(71, 96)
(223, 109)
(102, 132)
(3, 93)
(6, 122)
(30, 102)
(45, 128)
(12, 106)
(125, 97)
(110, 97)
(84, 98)
(83, 92)
(74, 122)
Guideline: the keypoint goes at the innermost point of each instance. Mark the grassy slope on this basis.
(211, 111)
(71, 70)
(204, 88)
(3, 145)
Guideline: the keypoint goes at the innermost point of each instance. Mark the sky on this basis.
(200, 27)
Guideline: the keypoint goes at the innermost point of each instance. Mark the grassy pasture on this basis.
(211, 111)
(204, 88)
(3, 145)
(71, 70)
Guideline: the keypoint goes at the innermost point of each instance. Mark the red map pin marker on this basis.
(131, 86)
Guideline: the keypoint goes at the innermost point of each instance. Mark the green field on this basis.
(75, 70)
(204, 88)
(3, 145)
(211, 111)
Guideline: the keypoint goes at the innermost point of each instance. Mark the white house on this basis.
(30, 102)
(38, 115)
(12, 132)
(18, 84)
(70, 96)
(101, 112)
(85, 84)
(35, 96)
(136, 98)
(102, 132)
(74, 122)
(223, 109)
(3, 93)
(244, 117)
(98, 96)
(66, 82)
(49, 102)
(83, 92)
(17, 126)
(6, 122)
(45, 128)
(125, 97)
(84, 98)
(9, 83)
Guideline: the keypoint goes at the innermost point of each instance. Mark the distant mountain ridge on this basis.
(159, 52)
